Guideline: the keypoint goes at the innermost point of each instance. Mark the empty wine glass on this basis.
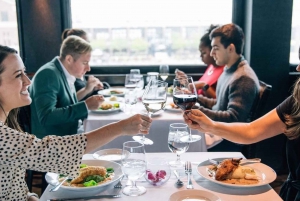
(177, 131)
(164, 72)
(133, 166)
(185, 97)
(154, 100)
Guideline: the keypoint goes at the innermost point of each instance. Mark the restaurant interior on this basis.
(268, 31)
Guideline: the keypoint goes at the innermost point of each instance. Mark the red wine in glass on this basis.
(185, 101)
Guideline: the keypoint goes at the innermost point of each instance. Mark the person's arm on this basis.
(206, 102)
(234, 104)
(209, 92)
(130, 126)
(244, 133)
(92, 84)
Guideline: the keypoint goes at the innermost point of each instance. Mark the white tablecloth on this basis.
(162, 193)
(158, 132)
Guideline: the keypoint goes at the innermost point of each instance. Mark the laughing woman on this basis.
(284, 119)
(20, 151)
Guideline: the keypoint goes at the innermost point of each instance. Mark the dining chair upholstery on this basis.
(256, 112)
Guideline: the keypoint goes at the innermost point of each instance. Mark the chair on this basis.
(256, 112)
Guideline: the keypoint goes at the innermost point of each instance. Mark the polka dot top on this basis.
(20, 151)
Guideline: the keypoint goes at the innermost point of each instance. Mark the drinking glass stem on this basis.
(178, 158)
(149, 115)
(133, 186)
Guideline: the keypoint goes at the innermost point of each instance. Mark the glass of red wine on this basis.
(185, 97)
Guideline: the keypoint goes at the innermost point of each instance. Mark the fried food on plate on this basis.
(90, 170)
(106, 106)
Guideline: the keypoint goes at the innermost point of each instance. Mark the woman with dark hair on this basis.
(284, 119)
(207, 84)
(91, 86)
(20, 151)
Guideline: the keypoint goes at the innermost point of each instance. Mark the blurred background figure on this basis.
(208, 82)
(91, 86)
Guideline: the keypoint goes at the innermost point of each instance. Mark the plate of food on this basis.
(110, 154)
(93, 176)
(111, 91)
(108, 107)
(230, 172)
(193, 194)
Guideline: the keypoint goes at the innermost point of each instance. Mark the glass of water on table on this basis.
(134, 166)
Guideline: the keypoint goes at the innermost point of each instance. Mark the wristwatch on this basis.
(205, 87)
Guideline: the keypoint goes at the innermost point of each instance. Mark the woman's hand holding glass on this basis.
(133, 166)
(154, 100)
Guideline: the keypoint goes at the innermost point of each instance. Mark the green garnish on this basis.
(83, 165)
(116, 105)
(109, 170)
(90, 183)
(96, 178)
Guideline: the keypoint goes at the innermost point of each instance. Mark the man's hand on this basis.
(93, 84)
(94, 102)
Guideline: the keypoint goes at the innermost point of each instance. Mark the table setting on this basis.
(170, 190)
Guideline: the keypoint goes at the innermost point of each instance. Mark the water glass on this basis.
(130, 100)
(164, 72)
(133, 166)
(177, 132)
(135, 71)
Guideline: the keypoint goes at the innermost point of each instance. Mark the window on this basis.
(148, 32)
(295, 38)
(8, 24)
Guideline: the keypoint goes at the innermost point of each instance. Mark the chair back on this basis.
(260, 102)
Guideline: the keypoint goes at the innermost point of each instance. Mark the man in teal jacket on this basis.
(55, 109)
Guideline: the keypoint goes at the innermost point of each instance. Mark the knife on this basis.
(86, 198)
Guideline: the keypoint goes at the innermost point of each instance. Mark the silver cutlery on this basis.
(55, 188)
(188, 171)
(179, 182)
(86, 198)
(250, 160)
(119, 184)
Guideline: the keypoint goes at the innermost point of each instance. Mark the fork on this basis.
(119, 184)
(188, 171)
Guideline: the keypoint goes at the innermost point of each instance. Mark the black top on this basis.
(291, 188)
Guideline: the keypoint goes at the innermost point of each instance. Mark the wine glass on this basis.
(133, 166)
(177, 131)
(154, 100)
(135, 71)
(185, 97)
(130, 81)
(164, 72)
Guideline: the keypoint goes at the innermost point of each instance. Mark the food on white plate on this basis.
(174, 106)
(113, 98)
(90, 176)
(230, 171)
(106, 106)
(170, 89)
(116, 91)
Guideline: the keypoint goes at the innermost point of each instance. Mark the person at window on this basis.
(55, 108)
(91, 86)
(21, 151)
(207, 84)
(283, 119)
(238, 84)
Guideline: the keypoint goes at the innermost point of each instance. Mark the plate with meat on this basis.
(111, 92)
(230, 172)
(94, 175)
(108, 107)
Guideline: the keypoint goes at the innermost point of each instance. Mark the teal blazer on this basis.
(54, 109)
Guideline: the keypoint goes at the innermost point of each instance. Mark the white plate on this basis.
(52, 178)
(193, 195)
(170, 109)
(109, 110)
(266, 174)
(110, 154)
(106, 92)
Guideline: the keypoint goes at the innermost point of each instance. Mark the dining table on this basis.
(158, 131)
(163, 192)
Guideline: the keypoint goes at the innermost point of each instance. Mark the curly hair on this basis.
(205, 40)
(12, 117)
(292, 121)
